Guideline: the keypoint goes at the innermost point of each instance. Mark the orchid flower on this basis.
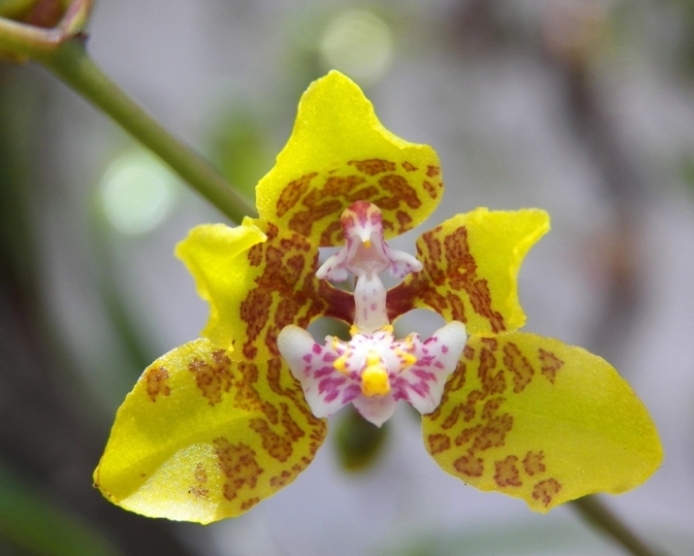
(222, 422)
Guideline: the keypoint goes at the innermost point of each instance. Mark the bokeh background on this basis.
(584, 108)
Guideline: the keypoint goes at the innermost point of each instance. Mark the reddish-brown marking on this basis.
(549, 364)
(157, 382)
(238, 464)
(302, 222)
(292, 193)
(469, 465)
(447, 261)
(507, 472)
(278, 446)
(373, 166)
(457, 307)
(494, 432)
(490, 343)
(408, 166)
(491, 407)
(431, 189)
(533, 463)
(286, 291)
(255, 254)
(433, 171)
(467, 435)
(212, 379)
(404, 221)
(255, 311)
(398, 187)
(336, 194)
(545, 490)
(450, 421)
(519, 365)
(334, 230)
(336, 186)
(470, 404)
(438, 443)
(492, 383)
(469, 352)
(282, 480)
(199, 489)
(248, 504)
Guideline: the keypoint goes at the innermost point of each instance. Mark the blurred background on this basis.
(584, 108)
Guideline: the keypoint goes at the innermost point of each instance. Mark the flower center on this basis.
(373, 370)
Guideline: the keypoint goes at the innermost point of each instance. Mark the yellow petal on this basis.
(540, 420)
(471, 265)
(201, 437)
(257, 279)
(340, 153)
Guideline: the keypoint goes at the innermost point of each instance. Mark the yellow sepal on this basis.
(340, 153)
(471, 264)
(540, 420)
(201, 437)
(257, 279)
(216, 255)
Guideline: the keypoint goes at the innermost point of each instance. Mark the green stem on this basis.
(62, 51)
(599, 516)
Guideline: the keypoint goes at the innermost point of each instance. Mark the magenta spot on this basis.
(444, 349)
(307, 357)
(323, 371)
(424, 375)
(421, 388)
(316, 348)
(350, 393)
(331, 386)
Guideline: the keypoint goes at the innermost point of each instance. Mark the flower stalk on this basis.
(599, 516)
(62, 50)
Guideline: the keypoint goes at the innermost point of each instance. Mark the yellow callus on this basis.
(374, 379)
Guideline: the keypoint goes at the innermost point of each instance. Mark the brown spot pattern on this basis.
(212, 377)
(157, 382)
(199, 489)
(311, 204)
(438, 443)
(373, 166)
(467, 430)
(519, 365)
(507, 473)
(448, 266)
(238, 464)
(292, 193)
(278, 429)
(431, 189)
(469, 465)
(532, 463)
(549, 364)
(545, 490)
(286, 291)
(433, 171)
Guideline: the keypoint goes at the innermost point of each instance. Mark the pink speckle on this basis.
(444, 349)
(316, 349)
